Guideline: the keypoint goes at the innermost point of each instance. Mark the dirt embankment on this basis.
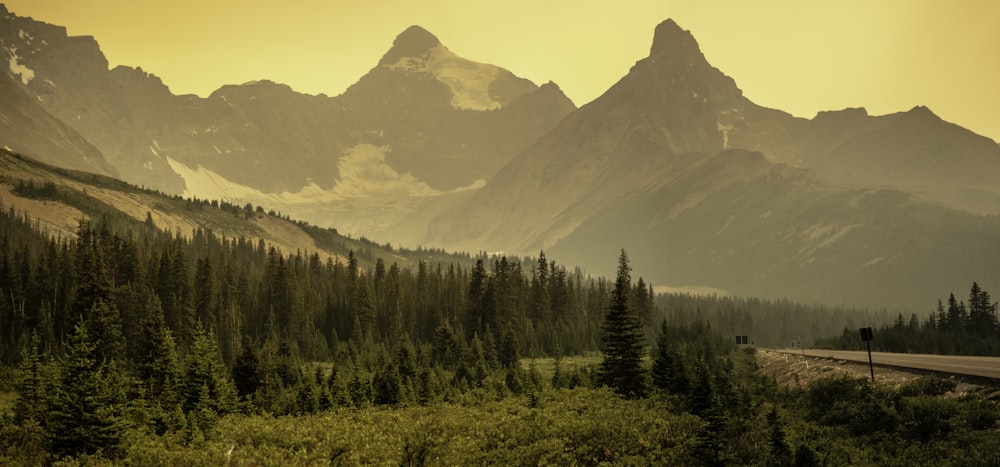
(791, 370)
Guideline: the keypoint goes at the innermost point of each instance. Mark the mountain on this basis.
(25, 125)
(422, 124)
(57, 199)
(705, 188)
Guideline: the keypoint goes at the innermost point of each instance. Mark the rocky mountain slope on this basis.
(57, 199)
(706, 188)
(421, 124)
(702, 186)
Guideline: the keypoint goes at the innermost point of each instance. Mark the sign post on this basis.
(866, 335)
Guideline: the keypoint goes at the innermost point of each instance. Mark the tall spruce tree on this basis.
(623, 341)
(32, 386)
(87, 408)
(204, 371)
(982, 319)
(669, 371)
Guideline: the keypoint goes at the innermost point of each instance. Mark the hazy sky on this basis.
(796, 55)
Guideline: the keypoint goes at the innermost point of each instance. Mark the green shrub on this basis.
(927, 385)
(23, 444)
(927, 417)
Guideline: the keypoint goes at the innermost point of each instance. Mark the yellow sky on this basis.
(800, 56)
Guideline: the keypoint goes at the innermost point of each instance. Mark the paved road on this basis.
(975, 366)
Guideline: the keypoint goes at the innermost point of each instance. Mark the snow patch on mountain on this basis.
(468, 81)
(724, 130)
(364, 175)
(16, 67)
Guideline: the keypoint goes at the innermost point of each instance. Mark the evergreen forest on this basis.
(127, 344)
(959, 328)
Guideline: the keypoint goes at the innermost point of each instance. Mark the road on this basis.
(988, 367)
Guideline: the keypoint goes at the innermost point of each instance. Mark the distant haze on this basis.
(801, 57)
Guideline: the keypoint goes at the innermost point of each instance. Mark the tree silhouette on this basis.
(623, 341)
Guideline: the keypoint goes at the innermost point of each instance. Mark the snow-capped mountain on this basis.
(421, 124)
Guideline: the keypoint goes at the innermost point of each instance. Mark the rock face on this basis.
(444, 121)
(25, 125)
(705, 188)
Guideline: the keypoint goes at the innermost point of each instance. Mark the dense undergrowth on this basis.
(835, 421)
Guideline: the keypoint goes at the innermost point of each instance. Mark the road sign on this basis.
(866, 336)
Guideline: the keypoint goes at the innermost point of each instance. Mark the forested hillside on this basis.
(137, 345)
(122, 341)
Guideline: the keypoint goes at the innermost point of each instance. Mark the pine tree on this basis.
(105, 327)
(246, 370)
(447, 349)
(204, 369)
(387, 386)
(88, 402)
(31, 384)
(957, 315)
(982, 313)
(507, 354)
(92, 279)
(669, 371)
(541, 299)
(158, 370)
(623, 341)
(477, 319)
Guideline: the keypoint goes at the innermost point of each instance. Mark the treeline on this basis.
(238, 289)
(768, 323)
(958, 328)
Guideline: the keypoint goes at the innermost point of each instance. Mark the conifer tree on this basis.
(957, 315)
(386, 385)
(32, 387)
(477, 319)
(105, 327)
(669, 371)
(982, 312)
(88, 402)
(447, 349)
(92, 282)
(622, 342)
(204, 370)
(541, 299)
(246, 370)
(508, 355)
(158, 369)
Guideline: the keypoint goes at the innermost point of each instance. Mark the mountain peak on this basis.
(670, 38)
(414, 42)
(923, 111)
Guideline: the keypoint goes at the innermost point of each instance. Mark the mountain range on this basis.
(421, 124)
(705, 189)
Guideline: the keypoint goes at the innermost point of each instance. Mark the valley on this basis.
(421, 269)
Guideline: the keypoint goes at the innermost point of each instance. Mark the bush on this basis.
(854, 404)
(926, 417)
(979, 414)
(23, 445)
(927, 386)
